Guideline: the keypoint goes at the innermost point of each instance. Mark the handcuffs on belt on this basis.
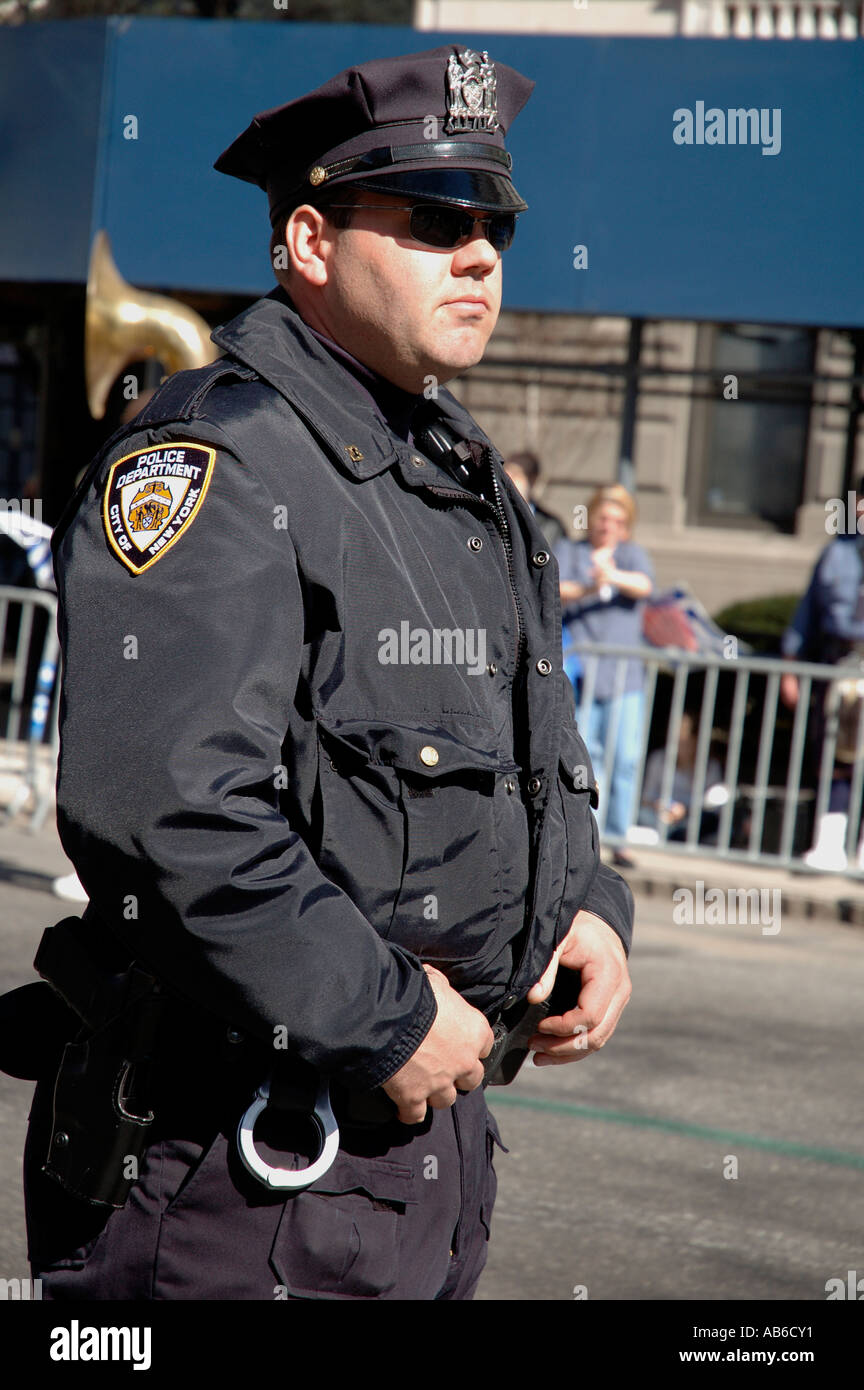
(292, 1178)
(512, 1031)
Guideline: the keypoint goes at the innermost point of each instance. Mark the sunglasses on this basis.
(436, 224)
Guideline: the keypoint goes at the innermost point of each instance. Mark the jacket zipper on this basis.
(503, 530)
(501, 521)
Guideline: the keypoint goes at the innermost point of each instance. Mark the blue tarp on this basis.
(709, 230)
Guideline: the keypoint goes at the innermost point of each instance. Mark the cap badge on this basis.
(471, 87)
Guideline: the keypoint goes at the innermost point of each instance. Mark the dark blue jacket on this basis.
(322, 734)
(830, 615)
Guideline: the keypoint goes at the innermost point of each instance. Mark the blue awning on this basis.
(769, 228)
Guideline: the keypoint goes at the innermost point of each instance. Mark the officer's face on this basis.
(409, 311)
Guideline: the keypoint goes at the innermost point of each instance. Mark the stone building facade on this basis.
(732, 478)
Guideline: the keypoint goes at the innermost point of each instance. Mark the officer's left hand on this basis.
(594, 948)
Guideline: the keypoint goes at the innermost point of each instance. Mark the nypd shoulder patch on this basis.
(152, 497)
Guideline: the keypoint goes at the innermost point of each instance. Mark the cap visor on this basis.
(470, 188)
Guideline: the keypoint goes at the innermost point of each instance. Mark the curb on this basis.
(801, 897)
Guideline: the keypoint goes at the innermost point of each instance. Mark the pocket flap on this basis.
(377, 1178)
(577, 772)
(430, 750)
(493, 1134)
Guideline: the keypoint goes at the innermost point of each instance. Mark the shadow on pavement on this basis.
(27, 878)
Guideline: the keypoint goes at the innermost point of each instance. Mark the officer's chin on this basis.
(463, 349)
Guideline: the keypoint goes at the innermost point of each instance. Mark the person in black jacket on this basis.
(320, 774)
(523, 470)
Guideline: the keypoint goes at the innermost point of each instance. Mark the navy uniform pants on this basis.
(404, 1213)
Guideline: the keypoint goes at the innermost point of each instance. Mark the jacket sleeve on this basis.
(800, 637)
(638, 560)
(609, 896)
(178, 688)
(839, 579)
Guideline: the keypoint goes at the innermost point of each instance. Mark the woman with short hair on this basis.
(605, 582)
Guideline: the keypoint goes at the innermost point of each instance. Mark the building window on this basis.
(749, 441)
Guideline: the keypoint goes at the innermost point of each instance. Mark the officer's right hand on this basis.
(447, 1060)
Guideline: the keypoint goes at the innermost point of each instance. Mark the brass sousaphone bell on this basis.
(125, 325)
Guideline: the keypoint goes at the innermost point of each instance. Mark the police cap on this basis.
(426, 125)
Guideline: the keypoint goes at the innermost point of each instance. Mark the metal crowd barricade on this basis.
(29, 739)
(760, 767)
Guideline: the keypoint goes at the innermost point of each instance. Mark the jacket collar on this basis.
(272, 339)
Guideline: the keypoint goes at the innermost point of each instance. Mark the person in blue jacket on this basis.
(605, 582)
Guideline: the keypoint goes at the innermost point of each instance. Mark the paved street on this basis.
(737, 1046)
(734, 1044)
(27, 865)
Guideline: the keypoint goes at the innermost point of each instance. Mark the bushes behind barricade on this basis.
(759, 621)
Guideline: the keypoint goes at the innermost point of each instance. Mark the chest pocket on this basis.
(416, 824)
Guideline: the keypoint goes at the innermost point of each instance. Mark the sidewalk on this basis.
(836, 897)
(28, 859)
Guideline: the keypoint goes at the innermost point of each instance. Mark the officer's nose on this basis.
(477, 250)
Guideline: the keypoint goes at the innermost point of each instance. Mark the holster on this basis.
(102, 1117)
(514, 1028)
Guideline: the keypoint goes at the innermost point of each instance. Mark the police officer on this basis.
(320, 775)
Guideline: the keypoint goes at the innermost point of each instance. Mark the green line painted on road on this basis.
(725, 1136)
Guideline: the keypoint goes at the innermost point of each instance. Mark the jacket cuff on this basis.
(610, 898)
(385, 1065)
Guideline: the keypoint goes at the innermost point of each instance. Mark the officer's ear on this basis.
(307, 240)
(279, 255)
